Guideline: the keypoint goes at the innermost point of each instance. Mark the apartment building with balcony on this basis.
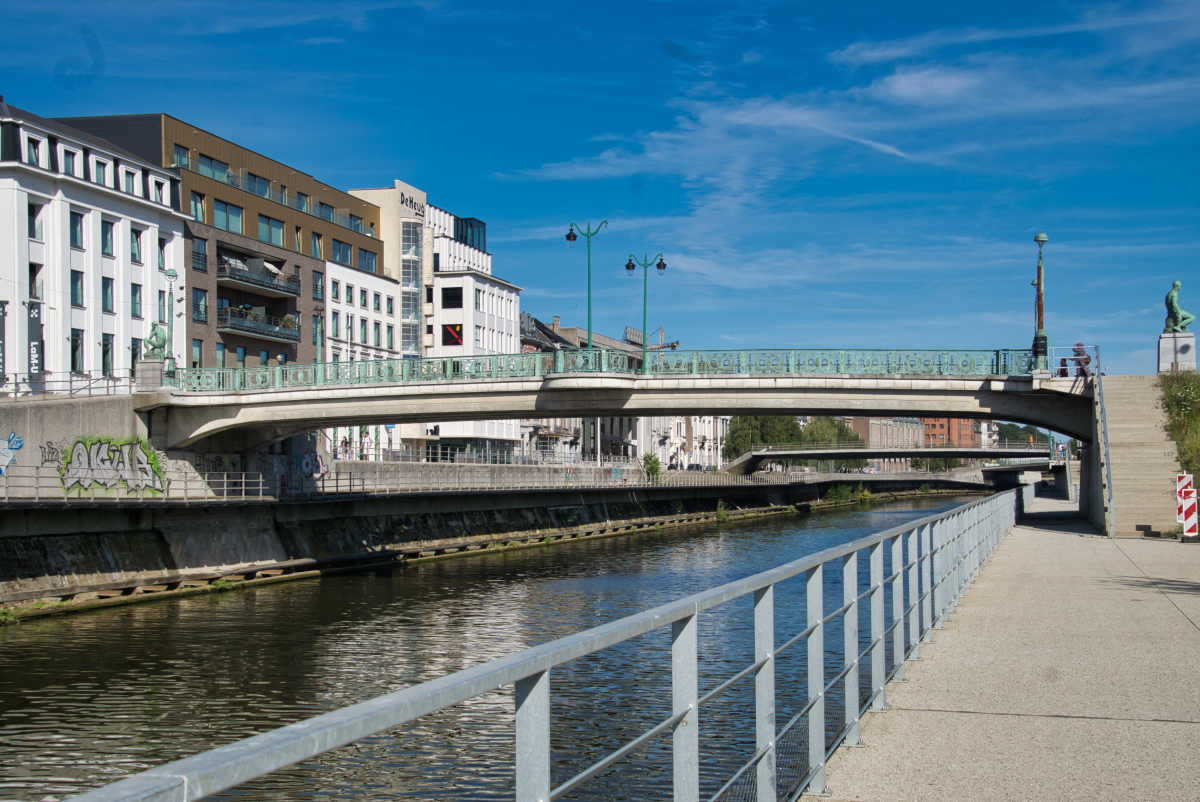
(262, 238)
(89, 231)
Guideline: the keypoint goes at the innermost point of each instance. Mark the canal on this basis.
(87, 699)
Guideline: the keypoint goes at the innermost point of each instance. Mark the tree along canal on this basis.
(87, 699)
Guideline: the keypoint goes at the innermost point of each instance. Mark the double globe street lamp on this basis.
(630, 266)
(1040, 349)
(589, 233)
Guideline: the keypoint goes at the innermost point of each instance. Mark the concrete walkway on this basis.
(1070, 671)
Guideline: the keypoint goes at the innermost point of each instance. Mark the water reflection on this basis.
(87, 699)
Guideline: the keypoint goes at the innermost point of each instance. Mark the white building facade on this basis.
(88, 235)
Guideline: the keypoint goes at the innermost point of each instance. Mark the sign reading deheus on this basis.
(412, 202)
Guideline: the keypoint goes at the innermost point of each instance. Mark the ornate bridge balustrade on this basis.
(602, 360)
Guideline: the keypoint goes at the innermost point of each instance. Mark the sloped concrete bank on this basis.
(55, 561)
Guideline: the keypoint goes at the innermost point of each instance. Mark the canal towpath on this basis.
(1068, 672)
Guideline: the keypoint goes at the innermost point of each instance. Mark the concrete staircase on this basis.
(1144, 458)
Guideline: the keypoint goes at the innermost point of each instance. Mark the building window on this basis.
(334, 288)
(376, 333)
(162, 254)
(451, 297)
(336, 332)
(391, 306)
(366, 260)
(316, 246)
(135, 245)
(437, 262)
(197, 353)
(220, 348)
(106, 354)
(270, 230)
(129, 182)
(258, 185)
(264, 358)
(135, 352)
(158, 191)
(478, 298)
(342, 252)
(391, 338)
(214, 168)
(200, 255)
(241, 356)
(68, 165)
(106, 237)
(350, 294)
(35, 281)
(106, 294)
(452, 334)
(135, 300)
(77, 230)
(35, 222)
(197, 207)
(77, 350)
(101, 173)
(318, 281)
(362, 298)
(182, 157)
(356, 223)
(429, 295)
(362, 330)
(378, 301)
(199, 305)
(302, 202)
(227, 216)
(325, 211)
(162, 306)
(478, 334)
(33, 151)
(76, 288)
(299, 240)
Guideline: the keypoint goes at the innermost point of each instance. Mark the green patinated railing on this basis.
(602, 360)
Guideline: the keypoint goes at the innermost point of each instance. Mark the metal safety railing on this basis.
(80, 478)
(1110, 517)
(1001, 445)
(612, 361)
(51, 385)
(915, 575)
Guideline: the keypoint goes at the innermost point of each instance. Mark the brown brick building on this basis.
(259, 239)
(961, 432)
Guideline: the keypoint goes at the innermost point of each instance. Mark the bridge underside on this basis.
(247, 420)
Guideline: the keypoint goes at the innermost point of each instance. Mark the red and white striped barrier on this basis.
(1185, 504)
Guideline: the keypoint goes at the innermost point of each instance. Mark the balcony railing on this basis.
(259, 277)
(258, 323)
(307, 205)
(200, 313)
(200, 261)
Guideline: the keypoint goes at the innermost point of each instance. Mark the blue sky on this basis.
(818, 175)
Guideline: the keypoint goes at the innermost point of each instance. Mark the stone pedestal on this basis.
(1176, 352)
(149, 377)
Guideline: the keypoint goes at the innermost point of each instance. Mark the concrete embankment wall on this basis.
(69, 553)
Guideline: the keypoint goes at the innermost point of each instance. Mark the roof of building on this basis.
(9, 111)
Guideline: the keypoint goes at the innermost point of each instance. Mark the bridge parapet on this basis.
(998, 363)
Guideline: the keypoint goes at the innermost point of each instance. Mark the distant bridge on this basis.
(753, 459)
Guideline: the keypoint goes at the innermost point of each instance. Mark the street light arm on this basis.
(589, 233)
(646, 263)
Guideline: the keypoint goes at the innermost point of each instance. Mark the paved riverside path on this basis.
(1070, 671)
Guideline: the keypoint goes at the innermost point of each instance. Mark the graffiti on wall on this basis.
(8, 451)
(106, 463)
(52, 453)
(218, 463)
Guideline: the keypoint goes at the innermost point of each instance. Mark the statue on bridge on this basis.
(155, 343)
(1177, 318)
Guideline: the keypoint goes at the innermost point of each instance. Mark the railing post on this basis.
(695, 362)
(850, 646)
(878, 636)
(815, 646)
(898, 643)
(533, 738)
(926, 590)
(684, 696)
(764, 691)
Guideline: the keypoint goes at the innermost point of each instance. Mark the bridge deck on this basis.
(1068, 672)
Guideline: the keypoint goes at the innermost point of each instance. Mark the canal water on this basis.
(87, 699)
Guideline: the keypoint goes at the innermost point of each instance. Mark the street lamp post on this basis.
(169, 362)
(1039, 337)
(645, 263)
(571, 237)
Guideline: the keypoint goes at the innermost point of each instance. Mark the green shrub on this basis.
(1181, 400)
(722, 513)
(220, 585)
(863, 494)
(839, 494)
(923, 488)
(8, 618)
(653, 467)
